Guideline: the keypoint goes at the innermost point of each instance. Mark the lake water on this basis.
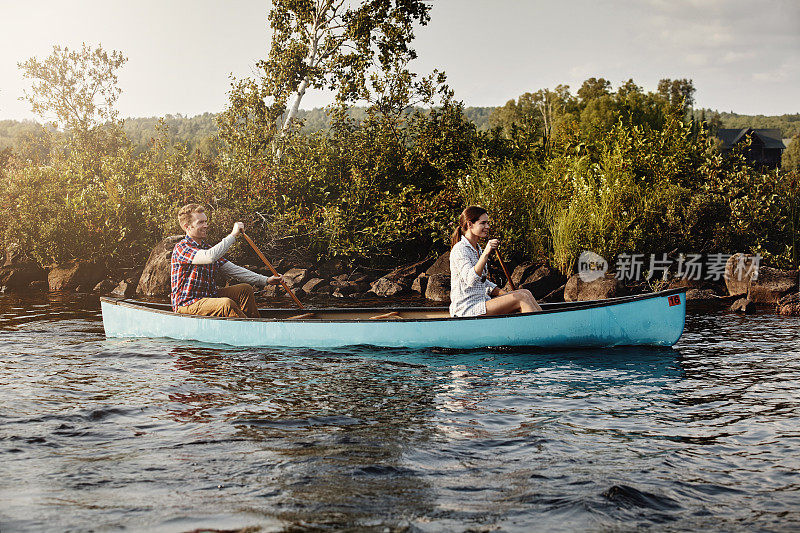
(158, 435)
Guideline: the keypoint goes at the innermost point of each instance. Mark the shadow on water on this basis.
(334, 426)
(338, 426)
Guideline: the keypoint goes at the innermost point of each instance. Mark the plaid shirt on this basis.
(191, 282)
(469, 292)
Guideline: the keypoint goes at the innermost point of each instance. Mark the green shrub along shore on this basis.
(612, 171)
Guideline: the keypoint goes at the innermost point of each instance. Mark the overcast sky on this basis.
(743, 55)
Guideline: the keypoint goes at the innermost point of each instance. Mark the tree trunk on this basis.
(301, 91)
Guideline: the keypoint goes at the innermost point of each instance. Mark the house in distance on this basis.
(765, 149)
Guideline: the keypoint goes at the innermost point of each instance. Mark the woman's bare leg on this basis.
(520, 300)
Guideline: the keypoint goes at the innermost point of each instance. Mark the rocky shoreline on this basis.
(762, 287)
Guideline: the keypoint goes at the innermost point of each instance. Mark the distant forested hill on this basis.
(12, 132)
(198, 131)
(201, 130)
(194, 131)
(788, 124)
(479, 116)
(317, 119)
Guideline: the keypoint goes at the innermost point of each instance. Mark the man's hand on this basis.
(274, 280)
(238, 227)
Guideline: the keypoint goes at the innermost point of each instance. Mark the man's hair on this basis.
(186, 213)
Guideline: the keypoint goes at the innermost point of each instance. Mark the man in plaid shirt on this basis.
(194, 265)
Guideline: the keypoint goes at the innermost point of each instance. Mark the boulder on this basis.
(556, 296)
(127, 287)
(124, 290)
(359, 278)
(743, 305)
(420, 283)
(75, 275)
(154, 280)
(339, 293)
(314, 285)
(105, 286)
(299, 292)
(772, 284)
(438, 288)
(296, 277)
(348, 287)
(521, 273)
(399, 280)
(132, 276)
(576, 289)
(270, 291)
(386, 287)
(542, 281)
(407, 274)
(21, 275)
(789, 305)
(701, 295)
(740, 270)
(701, 289)
(440, 266)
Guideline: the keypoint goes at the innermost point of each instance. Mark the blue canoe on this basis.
(654, 319)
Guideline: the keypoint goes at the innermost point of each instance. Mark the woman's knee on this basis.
(528, 295)
(523, 295)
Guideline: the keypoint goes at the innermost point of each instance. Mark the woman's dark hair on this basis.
(470, 214)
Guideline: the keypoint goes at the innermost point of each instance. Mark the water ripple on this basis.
(159, 435)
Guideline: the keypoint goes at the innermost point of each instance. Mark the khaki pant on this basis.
(235, 300)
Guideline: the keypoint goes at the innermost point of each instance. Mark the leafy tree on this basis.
(594, 88)
(678, 93)
(790, 160)
(248, 125)
(77, 88)
(520, 116)
(316, 44)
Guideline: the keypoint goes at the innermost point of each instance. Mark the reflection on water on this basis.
(159, 435)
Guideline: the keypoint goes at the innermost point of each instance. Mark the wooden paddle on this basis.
(505, 270)
(269, 266)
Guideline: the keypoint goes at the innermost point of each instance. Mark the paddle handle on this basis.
(269, 266)
(505, 270)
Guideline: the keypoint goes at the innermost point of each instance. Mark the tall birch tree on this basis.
(320, 44)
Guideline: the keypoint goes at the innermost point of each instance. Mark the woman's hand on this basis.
(274, 280)
(491, 245)
(238, 227)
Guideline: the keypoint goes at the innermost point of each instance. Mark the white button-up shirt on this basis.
(469, 292)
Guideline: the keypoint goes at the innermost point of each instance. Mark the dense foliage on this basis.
(610, 170)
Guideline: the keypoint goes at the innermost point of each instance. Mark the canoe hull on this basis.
(654, 320)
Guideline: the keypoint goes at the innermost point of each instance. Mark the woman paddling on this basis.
(471, 293)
